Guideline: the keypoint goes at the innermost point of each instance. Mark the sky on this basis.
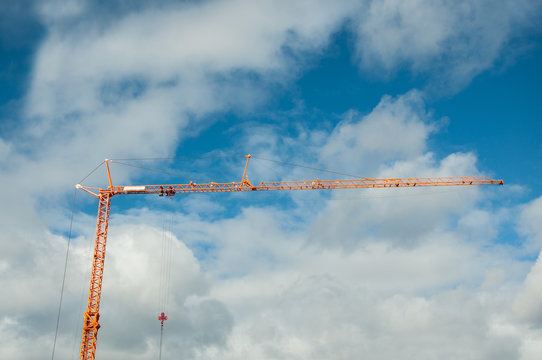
(179, 91)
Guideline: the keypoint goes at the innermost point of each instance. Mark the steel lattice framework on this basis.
(92, 316)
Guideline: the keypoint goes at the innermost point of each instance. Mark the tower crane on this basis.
(91, 316)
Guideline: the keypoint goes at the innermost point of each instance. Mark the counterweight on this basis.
(91, 316)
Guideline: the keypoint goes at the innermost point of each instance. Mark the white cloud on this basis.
(530, 223)
(454, 41)
(395, 129)
(5, 149)
(178, 46)
(131, 296)
(528, 304)
(321, 316)
(56, 10)
(391, 141)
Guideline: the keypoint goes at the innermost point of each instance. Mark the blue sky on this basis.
(368, 88)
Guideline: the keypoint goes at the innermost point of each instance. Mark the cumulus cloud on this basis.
(322, 316)
(530, 222)
(175, 47)
(528, 302)
(390, 141)
(133, 265)
(395, 129)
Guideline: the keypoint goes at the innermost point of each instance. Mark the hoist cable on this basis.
(161, 281)
(161, 336)
(253, 157)
(169, 260)
(165, 274)
(119, 161)
(181, 158)
(308, 167)
(64, 275)
(88, 254)
(90, 173)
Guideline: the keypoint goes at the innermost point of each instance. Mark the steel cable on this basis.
(65, 269)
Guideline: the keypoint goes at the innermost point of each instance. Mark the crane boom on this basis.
(92, 316)
(316, 184)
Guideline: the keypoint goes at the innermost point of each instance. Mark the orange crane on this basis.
(91, 317)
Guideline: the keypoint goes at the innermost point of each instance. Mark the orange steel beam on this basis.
(301, 185)
(107, 161)
(245, 171)
(91, 317)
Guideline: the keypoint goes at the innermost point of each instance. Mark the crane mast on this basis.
(91, 316)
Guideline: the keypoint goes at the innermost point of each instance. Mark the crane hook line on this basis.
(65, 268)
(169, 258)
(165, 273)
(161, 336)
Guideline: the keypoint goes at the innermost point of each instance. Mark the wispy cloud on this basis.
(449, 42)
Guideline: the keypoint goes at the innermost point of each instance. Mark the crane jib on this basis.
(170, 190)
